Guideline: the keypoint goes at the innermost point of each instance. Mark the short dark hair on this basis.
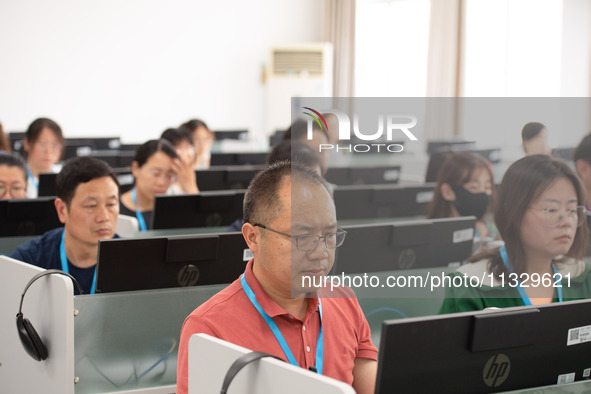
(583, 150)
(176, 136)
(294, 151)
(79, 170)
(14, 160)
(261, 201)
(149, 148)
(531, 130)
(298, 131)
(193, 124)
(35, 129)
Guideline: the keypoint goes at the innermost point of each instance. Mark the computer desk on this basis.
(177, 231)
(9, 244)
(580, 387)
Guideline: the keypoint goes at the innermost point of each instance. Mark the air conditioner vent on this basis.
(297, 62)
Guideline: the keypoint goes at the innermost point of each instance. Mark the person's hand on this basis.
(185, 176)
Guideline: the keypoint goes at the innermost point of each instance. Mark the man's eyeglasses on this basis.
(15, 191)
(309, 242)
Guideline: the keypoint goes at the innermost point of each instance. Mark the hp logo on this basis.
(188, 275)
(496, 370)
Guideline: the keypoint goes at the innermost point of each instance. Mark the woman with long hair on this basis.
(540, 214)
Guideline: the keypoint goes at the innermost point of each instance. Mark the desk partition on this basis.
(129, 341)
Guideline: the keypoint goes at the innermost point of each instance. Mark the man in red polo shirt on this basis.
(291, 228)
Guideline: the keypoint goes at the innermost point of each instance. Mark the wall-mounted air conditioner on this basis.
(303, 70)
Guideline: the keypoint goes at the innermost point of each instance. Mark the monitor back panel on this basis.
(236, 159)
(474, 353)
(21, 217)
(206, 209)
(405, 245)
(382, 201)
(165, 262)
(363, 175)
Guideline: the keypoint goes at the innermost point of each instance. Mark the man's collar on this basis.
(267, 303)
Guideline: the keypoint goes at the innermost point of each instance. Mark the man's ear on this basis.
(62, 210)
(251, 236)
(447, 192)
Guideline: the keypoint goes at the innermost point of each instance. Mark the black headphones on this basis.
(240, 363)
(29, 337)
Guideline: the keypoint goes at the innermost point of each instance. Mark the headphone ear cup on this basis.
(30, 339)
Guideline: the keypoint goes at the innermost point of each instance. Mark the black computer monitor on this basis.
(238, 159)
(276, 138)
(16, 141)
(363, 175)
(231, 134)
(226, 177)
(129, 147)
(114, 157)
(47, 185)
(486, 351)
(47, 182)
(205, 209)
(164, 262)
(211, 178)
(97, 143)
(566, 154)
(382, 201)
(406, 245)
(84, 146)
(20, 217)
(451, 145)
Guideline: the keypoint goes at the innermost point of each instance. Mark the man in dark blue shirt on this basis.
(88, 205)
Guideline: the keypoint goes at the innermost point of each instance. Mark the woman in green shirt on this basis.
(540, 215)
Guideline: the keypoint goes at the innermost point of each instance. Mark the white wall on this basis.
(135, 67)
(576, 46)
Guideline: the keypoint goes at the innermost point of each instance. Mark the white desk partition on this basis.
(127, 225)
(49, 305)
(210, 358)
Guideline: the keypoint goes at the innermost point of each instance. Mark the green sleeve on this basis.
(461, 299)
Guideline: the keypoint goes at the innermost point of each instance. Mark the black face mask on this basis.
(470, 204)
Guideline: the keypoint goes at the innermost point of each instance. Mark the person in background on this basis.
(582, 159)
(297, 152)
(203, 139)
(4, 143)
(540, 214)
(88, 205)
(43, 145)
(13, 176)
(465, 188)
(298, 131)
(183, 167)
(291, 229)
(153, 171)
(534, 138)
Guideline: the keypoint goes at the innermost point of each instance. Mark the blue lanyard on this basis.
(273, 326)
(138, 214)
(476, 233)
(520, 289)
(64, 260)
(32, 178)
